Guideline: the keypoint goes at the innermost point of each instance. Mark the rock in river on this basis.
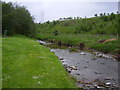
(82, 53)
(108, 83)
(72, 67)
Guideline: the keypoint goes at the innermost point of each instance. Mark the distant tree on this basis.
(69, 18)
(112, 16)
(104, 14)
(65, 18)
(48, 22)
(101, 14)
(74, 17)
(117, 12)
(95, 15)
(108, 14)
(60, 19)
(54, 22)
(77, 17)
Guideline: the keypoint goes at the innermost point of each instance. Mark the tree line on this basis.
(17, 19)
(102, 15)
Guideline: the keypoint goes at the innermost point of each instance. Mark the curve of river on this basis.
(96, 70)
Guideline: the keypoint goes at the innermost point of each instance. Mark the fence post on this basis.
(117, 35)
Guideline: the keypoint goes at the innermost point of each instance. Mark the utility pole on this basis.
(42, 16)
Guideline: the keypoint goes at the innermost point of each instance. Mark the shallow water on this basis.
(89, 71)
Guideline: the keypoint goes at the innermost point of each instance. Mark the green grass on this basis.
(91, 41)
(0, 62)
(26, 64)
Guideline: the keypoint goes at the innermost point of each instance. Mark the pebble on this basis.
(69, 71)
(82, 53)
(87, 62)
(96, 72)
(73, 67)
(77, 73)
(102, 63)
(108, 83)
(94, 58)
(107, 78)
(114, 85)
(61, 58)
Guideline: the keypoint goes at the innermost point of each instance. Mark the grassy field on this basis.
(91, 41)
(26, 64)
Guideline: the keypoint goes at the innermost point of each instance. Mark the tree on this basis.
(101, 14)
(112, 16)
(78, 18)
(17, 20)
(108, 14)
(48, 22)
(95, 15)
(104, 14)
(117, 12)
(69, 18)
(60, 19)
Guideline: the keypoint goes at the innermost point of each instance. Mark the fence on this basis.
(100, 35)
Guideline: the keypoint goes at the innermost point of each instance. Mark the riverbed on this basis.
(90, 69)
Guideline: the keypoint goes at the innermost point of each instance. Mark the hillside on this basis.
(96, 25)
(90, 31)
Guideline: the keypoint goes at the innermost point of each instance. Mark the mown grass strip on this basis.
(26, 64)
(0, 62)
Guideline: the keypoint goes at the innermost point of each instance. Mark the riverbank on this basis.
(26, 64)
(90, 42)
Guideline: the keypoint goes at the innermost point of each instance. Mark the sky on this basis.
(44, 10)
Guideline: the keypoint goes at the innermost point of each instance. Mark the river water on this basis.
(96, 70)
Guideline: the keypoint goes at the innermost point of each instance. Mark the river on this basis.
(90, 69)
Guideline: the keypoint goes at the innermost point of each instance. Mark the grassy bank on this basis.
(26, 64)
(0, 62)
(91, 41)
(83, 30)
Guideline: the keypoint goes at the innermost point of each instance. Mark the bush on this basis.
(55, 32)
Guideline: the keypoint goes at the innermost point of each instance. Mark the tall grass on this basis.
(91, 41)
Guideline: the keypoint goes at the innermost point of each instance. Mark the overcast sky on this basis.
(44, 10)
